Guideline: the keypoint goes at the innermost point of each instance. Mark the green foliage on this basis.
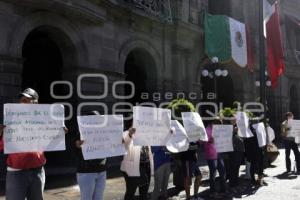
(229, 112)
(178, 106)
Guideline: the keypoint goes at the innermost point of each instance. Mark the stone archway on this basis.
(43, 63)
(49, 46)
(140, 68)
(47, 54)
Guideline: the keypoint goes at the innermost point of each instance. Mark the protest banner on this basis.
(33, 127)
(242, 122)
(178, 141)
(222, 135)
(102, 136)
(152, 126)
(260, 133)
(194, 126)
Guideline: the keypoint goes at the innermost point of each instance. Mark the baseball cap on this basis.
(30, 93)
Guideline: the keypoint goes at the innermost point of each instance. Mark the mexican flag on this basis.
(225, 38)
(272, 32)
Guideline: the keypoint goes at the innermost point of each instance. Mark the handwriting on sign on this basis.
(31, 127)
(222, 135)
(102, 139)
(152, 125)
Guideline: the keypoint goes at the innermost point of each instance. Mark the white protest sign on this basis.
(222, 135)
(294, 124)
(152, 126)
(194, 126)
(271, 134)
(295, 127)
(178, 141)
(242, 122)
(102, 136)
(33, 127)
(261, 134)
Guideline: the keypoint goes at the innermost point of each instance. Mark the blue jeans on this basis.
(25, 184)
(161, 180)
(91, 185)
(215, 165)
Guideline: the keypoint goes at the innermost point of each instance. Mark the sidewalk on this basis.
(280, 186)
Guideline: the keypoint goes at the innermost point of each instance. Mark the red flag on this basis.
(274, 46)
(250, 54)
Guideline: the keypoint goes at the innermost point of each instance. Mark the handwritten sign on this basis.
(295, 127)
(222, 135)
(242, 122)
(295, 130)
(261, 134)
(152, 126)
(194, 126)
(33, 127)
(102, 136)
(178, 141)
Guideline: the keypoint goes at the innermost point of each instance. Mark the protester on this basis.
(255, 155)
(190, 168)
(162, 170)
(137, 167)
(91, 174)
(215, 162)
(25, 176)
(235, 158)
(289, 143)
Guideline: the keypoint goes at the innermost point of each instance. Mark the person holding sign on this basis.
(214, 161)
(25, 176)
(289, 143)
(137, 167)
(255, 155)
(91, 174)
(235, 157)
(189, 162)
(162, 170)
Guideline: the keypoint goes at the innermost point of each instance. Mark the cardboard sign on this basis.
(33, 127)
(102, 136)
(242, 122)
(222, 135)
(178, 141)
(194, 126)
(152, 126)
(271, 134)
(261, 134)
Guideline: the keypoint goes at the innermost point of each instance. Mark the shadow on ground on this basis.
(286, 176)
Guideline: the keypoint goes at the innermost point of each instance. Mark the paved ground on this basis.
(280, 186)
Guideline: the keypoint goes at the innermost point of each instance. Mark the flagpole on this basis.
(262, 57)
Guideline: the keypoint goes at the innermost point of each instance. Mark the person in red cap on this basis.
(25, 176)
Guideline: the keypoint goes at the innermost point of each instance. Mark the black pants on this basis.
(257, 163)
(142, 182)
(215, 165)
(291, 145)
(235, 160)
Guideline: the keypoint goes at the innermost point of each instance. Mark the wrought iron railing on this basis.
(158, 8)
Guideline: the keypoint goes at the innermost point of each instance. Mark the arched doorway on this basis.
(45, 56)
(140, 68)
(43, 64)
(294, 105)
